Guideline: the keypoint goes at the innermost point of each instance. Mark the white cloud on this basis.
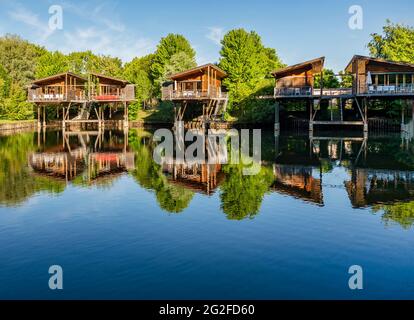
(21, 14)
(215, 34)
(100, 41)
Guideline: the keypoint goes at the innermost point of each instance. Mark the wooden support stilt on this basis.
(365, 116)
(277, 119)
(44, 116)
(39, 123)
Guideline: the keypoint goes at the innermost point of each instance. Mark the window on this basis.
(408, 78)
(392, 79)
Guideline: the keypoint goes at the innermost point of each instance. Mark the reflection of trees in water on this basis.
(241, 195)
(17, 184)
(402, 213)
(149, 175)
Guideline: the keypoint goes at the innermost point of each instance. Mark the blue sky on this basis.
(298, 30)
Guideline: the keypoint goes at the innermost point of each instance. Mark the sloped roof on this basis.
(57, 76)
(197, 70)
(359, 57)
(98, 75)
(301, 65)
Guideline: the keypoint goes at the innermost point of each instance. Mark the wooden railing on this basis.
(80, 93)
(36, 95)
(309, 92)
(386, 89)
(170, 94)
(114, 93)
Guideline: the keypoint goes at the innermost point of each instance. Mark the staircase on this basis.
(84, 112)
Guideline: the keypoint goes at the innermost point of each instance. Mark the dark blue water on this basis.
(133, 230)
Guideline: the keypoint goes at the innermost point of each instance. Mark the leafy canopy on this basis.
(396, 43)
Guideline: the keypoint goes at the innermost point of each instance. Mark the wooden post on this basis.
(277, 120)
(64, 118)
(39, 124)
(311, 102)
(44, 116)
(208, 81)
(365, 116)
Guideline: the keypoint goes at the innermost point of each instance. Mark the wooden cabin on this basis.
(69, 87)
(63, 87)
(381, 77)
(109, 89)
(298, 79)
(203, 82)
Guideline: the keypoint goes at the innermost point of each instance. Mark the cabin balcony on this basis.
(386, 90)
(112, 93)
(171, 94)
(307, 91)
(55, 94)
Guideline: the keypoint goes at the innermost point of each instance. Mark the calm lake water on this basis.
(122, 226)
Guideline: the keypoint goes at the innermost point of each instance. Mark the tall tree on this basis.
(166, 49)
(396, 43)
(4, 83)
(19, 58)
(138, 72)
(246, 61)
(51, 63)
(179, 62)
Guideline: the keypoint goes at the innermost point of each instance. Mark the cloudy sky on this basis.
(299, 30)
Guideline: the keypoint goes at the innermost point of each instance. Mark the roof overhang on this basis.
(377, 60)
(198, 70)
(58, 76)
(316, 65)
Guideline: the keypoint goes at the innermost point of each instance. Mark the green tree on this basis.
(19, 58)
(247, 63)
(179, 62)
(4, 84)
(15, 106)
(51, 63)
(396, 43)
(330, 80)
(166, 49)
(138, 72)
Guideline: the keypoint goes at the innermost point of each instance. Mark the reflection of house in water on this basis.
(58, 163)
(369, 187)
(71, 159)
(299, 182)
(199, 176)
(203, 178)
(109, 163)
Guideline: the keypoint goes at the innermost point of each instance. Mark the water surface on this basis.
(122, 226)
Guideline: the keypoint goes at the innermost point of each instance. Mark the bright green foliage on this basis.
(242, 195)
(396, 43)
(15, 105)
(4, 83)
(19, 58)
(329, 80)
(166, 49)
(179, 62)
(85, 62)
(346, 80)
(247, 63)
(138, 72)
(51, 63)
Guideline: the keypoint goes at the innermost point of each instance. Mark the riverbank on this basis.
(6, 125)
